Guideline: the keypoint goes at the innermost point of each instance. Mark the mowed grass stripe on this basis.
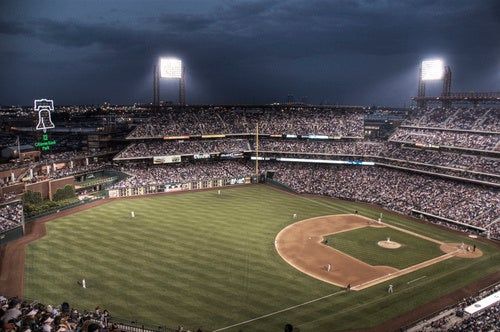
(197, 259)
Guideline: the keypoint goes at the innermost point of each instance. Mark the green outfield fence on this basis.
(279, 185)
(11, 234)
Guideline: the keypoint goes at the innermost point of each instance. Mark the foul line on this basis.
(280, 311)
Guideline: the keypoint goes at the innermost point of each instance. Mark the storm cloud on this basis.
(351, 52)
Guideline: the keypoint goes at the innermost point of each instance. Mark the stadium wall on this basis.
(11, 234)
(48, 187)
(13, 189)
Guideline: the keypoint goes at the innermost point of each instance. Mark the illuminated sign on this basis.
(213, 136)
(45, 143)
(166, 159)
(202, 156)
(318, 161)
(44, 107)
(317, 137)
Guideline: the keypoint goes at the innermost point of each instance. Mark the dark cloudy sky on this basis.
(345, 51)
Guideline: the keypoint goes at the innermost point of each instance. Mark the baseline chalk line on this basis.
(280, 311)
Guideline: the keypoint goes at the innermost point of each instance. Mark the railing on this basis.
(128, 325)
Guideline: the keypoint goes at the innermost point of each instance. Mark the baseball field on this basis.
(216, 261)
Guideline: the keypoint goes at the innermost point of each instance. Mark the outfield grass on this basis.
(199, 259)
(362, 244)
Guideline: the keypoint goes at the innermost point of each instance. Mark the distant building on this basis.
(28, 152)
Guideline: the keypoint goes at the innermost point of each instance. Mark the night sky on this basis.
(348, 51)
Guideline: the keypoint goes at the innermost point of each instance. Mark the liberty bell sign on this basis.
(44, 107)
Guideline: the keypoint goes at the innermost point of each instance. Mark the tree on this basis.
(64, 193)
(31, 197)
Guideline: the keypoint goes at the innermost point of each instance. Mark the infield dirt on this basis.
(302, 246)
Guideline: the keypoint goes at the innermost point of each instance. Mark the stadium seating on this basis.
(146, 175)
(396, 190)
(10, 216)
(220, 120)
(466, 128)
(24, 316)
(452, 159)
(454, 319)
(473, 118)
(464, 140)
(161, 148)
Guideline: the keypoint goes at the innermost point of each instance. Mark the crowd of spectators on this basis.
(149, 175)
(358, 148)
(59, 164)
(396, 190)
(383, 150)
(17, 315)
(25, 316)
(188, 147)
(72, 155)
(474, 119)
(7, 197)
(467, 140)
(11, 216)
(219, 120)
(455, 319)
(78, 169)
(56, 157)
(463, 161)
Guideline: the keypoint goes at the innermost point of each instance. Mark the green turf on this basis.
(199, 259)
(362, 244)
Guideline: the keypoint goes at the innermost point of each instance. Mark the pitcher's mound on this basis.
(389, 244)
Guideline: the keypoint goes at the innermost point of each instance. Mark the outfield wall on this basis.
(173, 187)
(11, 234)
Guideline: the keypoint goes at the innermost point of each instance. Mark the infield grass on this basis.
(362, 244)
(203, 260)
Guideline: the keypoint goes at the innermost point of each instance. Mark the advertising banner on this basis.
(202, 156)
(166, 159)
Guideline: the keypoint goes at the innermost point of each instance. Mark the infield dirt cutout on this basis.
(301, 245)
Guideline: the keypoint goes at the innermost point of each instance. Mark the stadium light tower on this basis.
(169, 68)
(434, 70)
